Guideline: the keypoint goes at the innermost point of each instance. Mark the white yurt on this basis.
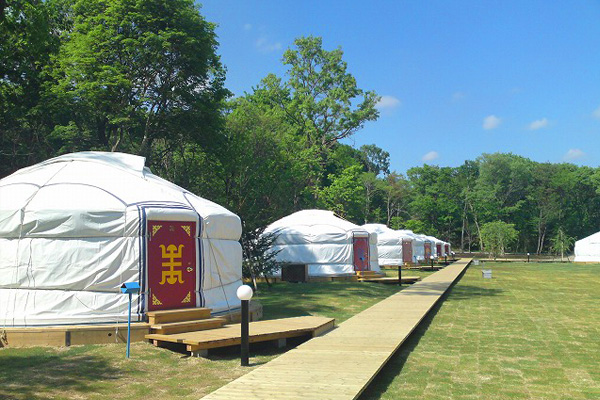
(74, 228)
(391, 245)
(587, 250)
(418, 243)
(323, 242)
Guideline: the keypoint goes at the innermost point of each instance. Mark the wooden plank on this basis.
(182, 314)
(187, 326)
(341, 364)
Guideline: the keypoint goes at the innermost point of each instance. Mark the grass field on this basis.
(101, 371)
(532, 332)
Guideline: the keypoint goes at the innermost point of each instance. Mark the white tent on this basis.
(587, 250)
(74, 228)
(389, 244)
(326, 243)
(436, 246)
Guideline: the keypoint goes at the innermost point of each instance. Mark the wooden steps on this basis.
(169, 322)
(177, 315)
(362, 275)
(187, 326)
(260, 331)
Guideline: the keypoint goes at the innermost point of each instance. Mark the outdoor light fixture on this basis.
(244, 293)
(527, 257)
(129, 288)
(431, 257)
(399, 275)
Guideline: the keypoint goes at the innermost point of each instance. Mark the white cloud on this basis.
(573, 154)
(596, 113)
(491, 122)
(538, 124)
(247, 27)
(432, 155)
(388, 102)
(458, 96)
(264, 45)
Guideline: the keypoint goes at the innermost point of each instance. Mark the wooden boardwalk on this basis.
(340, 364)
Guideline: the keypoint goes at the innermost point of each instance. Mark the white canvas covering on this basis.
(389, 243)
(587, 250)
(72, 230)
(321, 240)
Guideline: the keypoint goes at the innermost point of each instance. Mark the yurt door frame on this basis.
(407, 251)
(172, 264)
(438, 247)
(427, 246)
(447, 248)
(360, 251)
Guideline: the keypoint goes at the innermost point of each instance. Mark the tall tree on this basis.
(133, 72)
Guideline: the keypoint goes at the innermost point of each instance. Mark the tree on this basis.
(375, 159)
(497, 236)
(132, 73)
(321, 100)
(259, 258)
(561, 243)
(345, 195)
(28, 40)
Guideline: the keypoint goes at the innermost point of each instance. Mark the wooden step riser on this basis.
(191, 327)
(163, 317)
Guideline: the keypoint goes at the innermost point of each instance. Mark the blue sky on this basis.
(457, 78)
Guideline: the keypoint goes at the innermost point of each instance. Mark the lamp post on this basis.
(399, 275)
(244, 293)
(453, 258)
(527, 257)
(129, 288)
(431, 257)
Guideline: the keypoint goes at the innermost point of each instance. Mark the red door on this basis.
(407, 253)
(171, 265)
(361, 253)
(427, 251)
(439, 249)
(447, 247)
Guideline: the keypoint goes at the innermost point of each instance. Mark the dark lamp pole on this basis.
(244, 293)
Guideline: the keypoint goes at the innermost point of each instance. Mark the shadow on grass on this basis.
(40, 376)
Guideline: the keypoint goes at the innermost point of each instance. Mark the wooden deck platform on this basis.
(391, 279)
(340, 364)
(260, 331)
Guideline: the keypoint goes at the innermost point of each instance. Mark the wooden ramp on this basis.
(260, 331)
(340, 364)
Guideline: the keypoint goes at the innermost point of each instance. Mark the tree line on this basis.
(145, 77)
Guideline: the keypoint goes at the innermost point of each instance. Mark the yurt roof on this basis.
(77, 188)
(313, 222)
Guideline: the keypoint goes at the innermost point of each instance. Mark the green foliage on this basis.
(130, 73)
(497, 236)
(561, 243)
(345, 194)
(259, 258)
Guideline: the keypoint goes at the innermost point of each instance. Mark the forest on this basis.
(145, 77)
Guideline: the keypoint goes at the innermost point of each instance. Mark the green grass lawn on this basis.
(532, 332)
(102, 371)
